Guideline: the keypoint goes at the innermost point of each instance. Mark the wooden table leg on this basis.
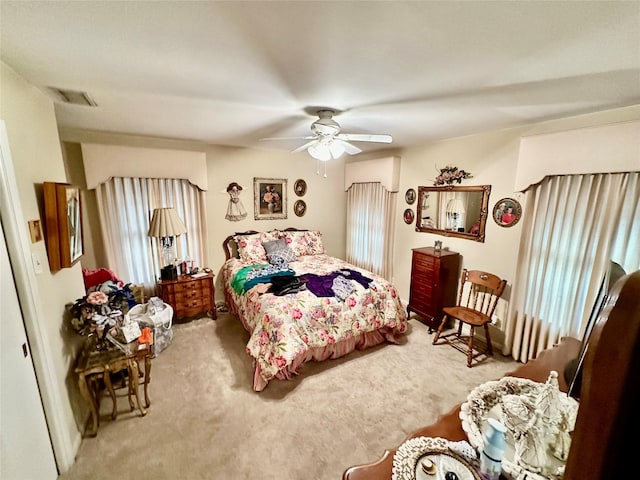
(86, 394)
(147, 379)
(133, 383)
(107, 382)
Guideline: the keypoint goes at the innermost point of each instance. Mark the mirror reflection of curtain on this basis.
(370, 226)
(573, 225)
(125, 206)
(75, 225)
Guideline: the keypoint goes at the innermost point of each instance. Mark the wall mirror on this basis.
(63, 224)
(453, 211)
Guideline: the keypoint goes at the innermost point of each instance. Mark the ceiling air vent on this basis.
(75, 97)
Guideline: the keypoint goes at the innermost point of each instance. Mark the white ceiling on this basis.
(231, 73)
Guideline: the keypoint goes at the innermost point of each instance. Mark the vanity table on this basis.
(604, 432)
(449, 425)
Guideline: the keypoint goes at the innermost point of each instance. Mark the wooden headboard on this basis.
(605, 427)
(231, 249)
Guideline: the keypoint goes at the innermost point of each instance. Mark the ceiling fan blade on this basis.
(305, 146)
(350, 149)
(363, 137)
(308, 137)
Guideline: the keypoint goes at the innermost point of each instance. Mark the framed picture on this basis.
(410, 196)
(408, 216)
(35, 231)
(63, 221)
(300, 208)
(300, 187)
(507, 212)
(270, 198)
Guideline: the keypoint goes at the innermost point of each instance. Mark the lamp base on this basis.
(169, 272)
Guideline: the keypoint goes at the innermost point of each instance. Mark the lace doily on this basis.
(485, 401)
(439, 454)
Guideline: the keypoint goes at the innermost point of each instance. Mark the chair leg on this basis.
(488, 336)
(470, 347)
(440, 329)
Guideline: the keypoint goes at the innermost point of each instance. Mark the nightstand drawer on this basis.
(188, 295)
(188, 285)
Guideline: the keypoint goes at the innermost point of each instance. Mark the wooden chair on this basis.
(477, 300)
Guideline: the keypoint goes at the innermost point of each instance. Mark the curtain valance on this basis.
(102, 162)
(383, 170)
(604, 149)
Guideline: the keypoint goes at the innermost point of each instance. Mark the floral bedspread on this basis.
(285, 328)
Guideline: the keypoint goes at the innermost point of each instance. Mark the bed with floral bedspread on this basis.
(323, 308)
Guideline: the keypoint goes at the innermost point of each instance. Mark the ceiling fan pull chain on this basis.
(317, 167)
(325, 169)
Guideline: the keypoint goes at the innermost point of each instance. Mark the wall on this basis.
(36, 153)
(492, 159)
(325, 197)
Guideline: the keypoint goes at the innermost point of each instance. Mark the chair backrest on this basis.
(480, 291)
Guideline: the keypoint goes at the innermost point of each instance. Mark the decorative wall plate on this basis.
(485, 402)
(300, 188)
(507, 212)
(410, 196)
(429, 458)
(300, 208)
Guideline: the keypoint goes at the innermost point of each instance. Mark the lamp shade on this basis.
(165, 222)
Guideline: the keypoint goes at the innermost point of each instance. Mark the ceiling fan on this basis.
(328, 143)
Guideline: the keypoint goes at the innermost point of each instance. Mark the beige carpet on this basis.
(205, 421)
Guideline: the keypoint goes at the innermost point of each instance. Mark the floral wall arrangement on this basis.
(450, 175)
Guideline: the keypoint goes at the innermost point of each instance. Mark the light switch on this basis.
(36, 258)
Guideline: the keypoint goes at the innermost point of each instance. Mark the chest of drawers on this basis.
(434, 284)
(189, 296)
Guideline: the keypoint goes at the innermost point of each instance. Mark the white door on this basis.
(25, 448)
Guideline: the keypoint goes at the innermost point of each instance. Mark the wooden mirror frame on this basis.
(64, 235)
(423, 193)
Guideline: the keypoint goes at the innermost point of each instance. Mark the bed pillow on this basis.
(250, 248)
(271, 236)
(314, 242)
(297, 242)
(285, 253)
(273, 245)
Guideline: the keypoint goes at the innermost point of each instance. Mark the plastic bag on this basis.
(158, 316)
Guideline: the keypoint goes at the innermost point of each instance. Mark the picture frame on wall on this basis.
(300, 208)
(300, 187)
(270, 198)
(507, 212)
(410, 196)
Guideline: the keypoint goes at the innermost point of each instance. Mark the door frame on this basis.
(17, 238)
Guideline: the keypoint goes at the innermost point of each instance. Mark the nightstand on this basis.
(189, 296)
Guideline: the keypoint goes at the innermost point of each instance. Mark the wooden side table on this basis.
(189, 296)
(95, 369)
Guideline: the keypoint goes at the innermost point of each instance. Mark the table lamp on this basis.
(165, 225)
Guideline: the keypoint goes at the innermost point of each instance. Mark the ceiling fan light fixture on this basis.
(319, 151)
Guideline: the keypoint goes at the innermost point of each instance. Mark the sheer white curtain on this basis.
(572, 226)
(370, 227)
(125, 206)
